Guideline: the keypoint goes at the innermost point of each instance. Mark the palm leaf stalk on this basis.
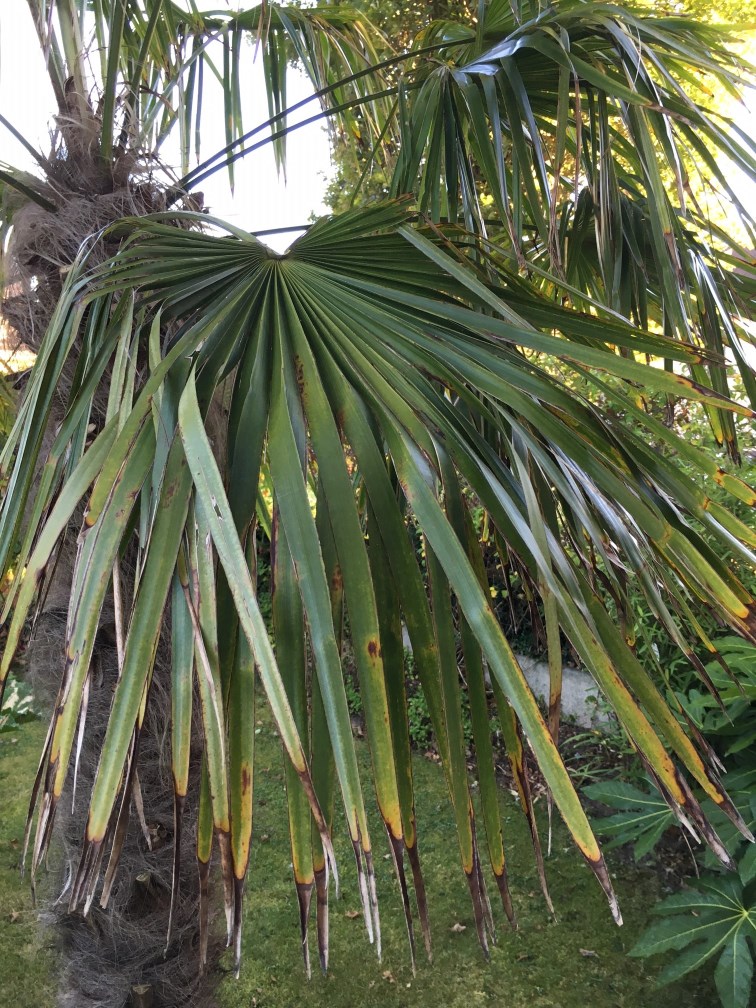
(375, 379)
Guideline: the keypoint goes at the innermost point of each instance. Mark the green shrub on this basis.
(713, 919)
(18, 705)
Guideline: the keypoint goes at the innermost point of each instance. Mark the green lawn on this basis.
(27, 962)
(578, 961)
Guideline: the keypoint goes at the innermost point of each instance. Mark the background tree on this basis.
(396, 367)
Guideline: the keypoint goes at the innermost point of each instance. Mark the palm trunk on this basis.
(114, 956)
(118, 955)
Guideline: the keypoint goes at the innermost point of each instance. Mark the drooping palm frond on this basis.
(381, 387)
(579, 140)
(582, 93)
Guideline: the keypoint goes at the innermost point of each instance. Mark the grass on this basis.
(27, 962)
(578, 961)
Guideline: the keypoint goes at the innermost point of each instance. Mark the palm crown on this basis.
(481, 340)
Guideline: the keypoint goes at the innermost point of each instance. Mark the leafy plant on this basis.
(419, 721)
(718, 915)
(642, 817)
(419, 717)
(728, 719)
(715, 916)
(728, 722)
(353, 696)
(18, 705)
(595, 753)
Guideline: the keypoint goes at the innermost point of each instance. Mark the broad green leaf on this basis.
(734, 973)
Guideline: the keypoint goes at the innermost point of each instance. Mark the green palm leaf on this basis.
(570, 139)
(378, 381)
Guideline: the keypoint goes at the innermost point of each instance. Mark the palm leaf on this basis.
(580, 137)
(378, 380)
(156, 57)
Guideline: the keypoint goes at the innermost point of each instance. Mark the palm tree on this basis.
(482, 342)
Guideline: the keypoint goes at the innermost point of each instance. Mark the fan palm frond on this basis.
(382, 387)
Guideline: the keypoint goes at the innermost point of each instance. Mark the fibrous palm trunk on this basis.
(118, 955)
